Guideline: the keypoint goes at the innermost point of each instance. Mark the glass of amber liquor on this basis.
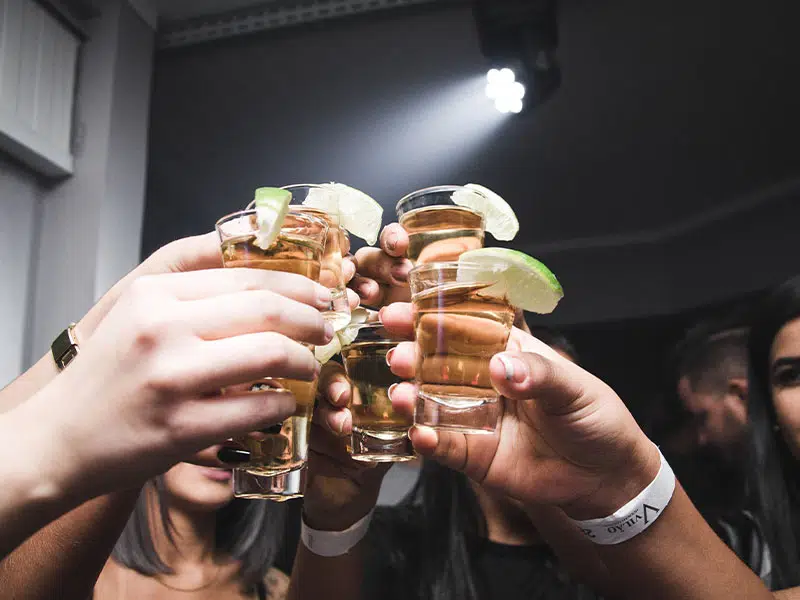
(379, 434)
(438, 229)
(298, 249)
(459, 326)
(337, 244)
(277, 488)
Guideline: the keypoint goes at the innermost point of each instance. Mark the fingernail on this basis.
(391, 241)
(400, 271)
(516, 370)
(362, 289)
(340, 428)
(338, 395)
(389, 357)
(391, 390)
(328, 331)
(233, 456)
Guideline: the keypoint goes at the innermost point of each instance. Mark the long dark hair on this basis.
(773, 471)
(428, 544)
(249, 531)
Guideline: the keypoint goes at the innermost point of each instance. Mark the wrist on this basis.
(338, 519)
(327, 507)
(620, 485)
(334, 501)
(40, 476)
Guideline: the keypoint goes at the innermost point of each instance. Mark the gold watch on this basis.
(65, 347)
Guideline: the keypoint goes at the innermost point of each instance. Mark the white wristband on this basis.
(637, 515)
(334, 543)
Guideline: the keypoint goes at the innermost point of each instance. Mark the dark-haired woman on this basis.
(774, 413)
(188, 538)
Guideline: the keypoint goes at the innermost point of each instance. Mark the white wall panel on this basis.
(37, 78)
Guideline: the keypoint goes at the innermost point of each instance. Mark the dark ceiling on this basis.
(667, 110)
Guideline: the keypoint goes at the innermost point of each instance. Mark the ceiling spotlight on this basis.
(507, 93)
(520, 38)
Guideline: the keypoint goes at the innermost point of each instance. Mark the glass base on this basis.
(277, 488)
(380, 446)
(474, 417)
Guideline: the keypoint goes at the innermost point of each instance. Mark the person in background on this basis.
(712, 387)
(774, 432)
(189, 538)
(452, 539)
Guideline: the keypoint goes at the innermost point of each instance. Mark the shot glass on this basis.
(438, 230)
(459, 325)
(277, 488)
(336, 245)
(379, 434)
(298, 249)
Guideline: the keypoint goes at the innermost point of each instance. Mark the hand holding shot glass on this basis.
(379, 434)
(310, 241)
(297, 248)
(463, 315)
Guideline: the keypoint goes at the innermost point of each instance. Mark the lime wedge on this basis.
(324, 353)
(271, 204)
(501, 221)
(524, 281)
(357, 212)
(345, 336)
(340, 339)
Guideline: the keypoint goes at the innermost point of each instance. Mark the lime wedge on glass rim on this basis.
(271, 205)
(342, 338)
(524, 281)
(501, 221)
(357, 212)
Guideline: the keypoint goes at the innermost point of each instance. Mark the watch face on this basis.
(67, 357)
(65, 348)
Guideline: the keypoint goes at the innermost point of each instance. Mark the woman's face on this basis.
(785, 378)
(199, 488)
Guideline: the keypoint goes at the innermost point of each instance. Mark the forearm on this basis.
(45, 369)
(333, 578)
(39, 479)
(338, 578)
(679, 557)
(64, 559)
(790, 594)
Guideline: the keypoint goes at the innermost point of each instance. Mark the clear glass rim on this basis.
(428, 190)
(373, 326)
(288, 188)
(251, 211)
(456, 265)
(294, 186)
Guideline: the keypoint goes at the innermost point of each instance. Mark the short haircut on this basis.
(556, 340)
(709, 359)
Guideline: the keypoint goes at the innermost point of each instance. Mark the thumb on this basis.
(187, 254)
(554, 383)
